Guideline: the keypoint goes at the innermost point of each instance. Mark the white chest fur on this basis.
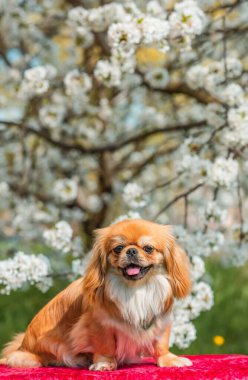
(139, 304)
(142, 308)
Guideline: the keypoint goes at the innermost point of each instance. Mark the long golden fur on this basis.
(119, 310)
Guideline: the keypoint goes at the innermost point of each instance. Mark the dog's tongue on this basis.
(132, 271)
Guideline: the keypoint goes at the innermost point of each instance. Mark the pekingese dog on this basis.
(119, 311)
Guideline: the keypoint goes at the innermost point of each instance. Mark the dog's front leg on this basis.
(105, 350)
(163, 357)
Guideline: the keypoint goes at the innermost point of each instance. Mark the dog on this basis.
(120, 311)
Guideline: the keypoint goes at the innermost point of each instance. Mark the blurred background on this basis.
(119, 109)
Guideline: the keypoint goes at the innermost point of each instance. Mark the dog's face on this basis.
(136, 250)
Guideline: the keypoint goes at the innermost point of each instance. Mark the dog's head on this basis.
(136, 250)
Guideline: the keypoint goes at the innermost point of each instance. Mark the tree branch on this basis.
(24, 192)
(241, 216)
(164, 184)
(174, 200)
(186, 205)
(202, 96)
(109, 147)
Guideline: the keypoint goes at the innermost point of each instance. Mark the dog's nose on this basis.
(132, 252)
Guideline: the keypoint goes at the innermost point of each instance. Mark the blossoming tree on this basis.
(123, 110)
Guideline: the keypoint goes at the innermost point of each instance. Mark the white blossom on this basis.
(77, 267)
(157, 77)
(215, 77)
(214, 212)
(198, 243)
(223, 172)
(238, 116)
(123, 35)
(235, 251)
(78, 21)
(59, 237)
(215, 115)
(22, 269)
(94, 203)
(193, 165)
(4, 189)
(203, 295)
(185, 310)
(51, 115)
(108, 73)
(129, 215)
(29, 214)
(154, 8)
(236, 137)
(200, 299)
(35, 74)
(235, 254)
(77, 83)
(36, 80)
(98, 19)
(186, 21)
(134, 196)
(154, 31)
(77, 247)
(212, 77)
(197, 267)
(196, 76)
(86, 38)
(124, 60)
(115, 12)
(51, 71)
(131, 9)
(234, 67)
(65, 190)
(182, 334)
(78, 16)
(232, 94)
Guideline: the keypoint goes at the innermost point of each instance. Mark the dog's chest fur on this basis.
(142, 310)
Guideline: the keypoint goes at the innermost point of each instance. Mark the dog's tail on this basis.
(10, 347)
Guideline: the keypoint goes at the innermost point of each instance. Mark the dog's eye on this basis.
(118, 249)
(148, 248)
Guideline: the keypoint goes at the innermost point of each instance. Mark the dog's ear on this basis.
(95, 273)
(178, 269)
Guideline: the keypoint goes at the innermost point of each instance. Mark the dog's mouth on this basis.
(135, 272)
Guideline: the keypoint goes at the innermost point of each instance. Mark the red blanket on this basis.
(215, 367)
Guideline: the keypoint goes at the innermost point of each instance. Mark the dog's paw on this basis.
(103, 366)
(171, 360)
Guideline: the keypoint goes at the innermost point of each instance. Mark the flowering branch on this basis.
(177, 198)
(201, 96)
(111, 147)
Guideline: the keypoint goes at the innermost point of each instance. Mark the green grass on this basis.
(229, 316)
(17, 309)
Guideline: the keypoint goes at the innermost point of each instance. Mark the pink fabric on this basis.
(214, 367)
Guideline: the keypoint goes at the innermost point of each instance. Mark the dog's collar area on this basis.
(147, 325)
